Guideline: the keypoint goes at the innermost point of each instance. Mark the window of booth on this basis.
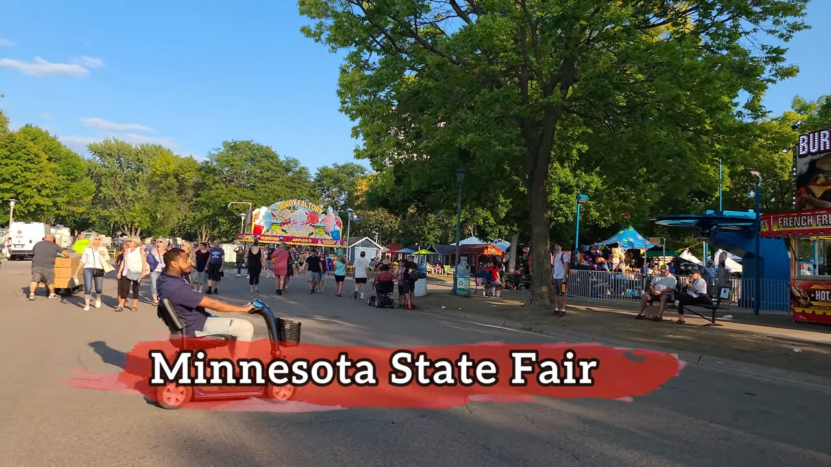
(813, 256)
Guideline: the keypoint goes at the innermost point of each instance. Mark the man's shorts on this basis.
(653, 298)
(403, 288)
(314, 276)
(45, 275)
(559, 287)
(214, 272)
(360, 280)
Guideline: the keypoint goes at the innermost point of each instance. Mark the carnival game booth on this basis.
(807, 230)
(619, 243)
(295, 222)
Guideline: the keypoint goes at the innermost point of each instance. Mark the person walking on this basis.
(240, 252)
(360, 273)
(313, 267)
(187, 247)
(133, 269)
(155, 259)
(215, 263)
(255, 263)
(290, 268)
(43, 265)
(324, 271)
(92, 265)
(340, 274)
(280, 261)
(559, 274)
(201, 256)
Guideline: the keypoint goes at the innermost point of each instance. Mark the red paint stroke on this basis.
(622, 375)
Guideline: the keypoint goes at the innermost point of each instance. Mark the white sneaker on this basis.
(98, 303)
(362, 296)
(239, 275)
(31, 296)
(677, 302)
(86, 307)
(54, 296)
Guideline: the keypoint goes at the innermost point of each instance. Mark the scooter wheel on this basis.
(172, 396)
(280, 393)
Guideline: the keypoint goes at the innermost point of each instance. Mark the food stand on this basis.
(295, 222)
(807, 230)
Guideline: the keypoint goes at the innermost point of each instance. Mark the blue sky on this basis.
(189, 74)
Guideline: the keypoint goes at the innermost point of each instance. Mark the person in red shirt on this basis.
(493, 272)
(385, 275)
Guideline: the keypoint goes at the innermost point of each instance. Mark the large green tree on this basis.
(27, 174)
(73, 189)
(337, 185)
(500, 81)
(243, 171)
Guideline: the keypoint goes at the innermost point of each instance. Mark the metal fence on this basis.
(629, 287)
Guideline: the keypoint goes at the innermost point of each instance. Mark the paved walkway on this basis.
(702, 417)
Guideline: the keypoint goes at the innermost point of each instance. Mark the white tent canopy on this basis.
(686, 255)
(471, 241)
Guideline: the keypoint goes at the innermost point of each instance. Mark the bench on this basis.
(719, 300)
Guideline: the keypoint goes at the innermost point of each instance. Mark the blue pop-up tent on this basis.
(628, 239)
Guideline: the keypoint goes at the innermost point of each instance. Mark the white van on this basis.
(22, 237)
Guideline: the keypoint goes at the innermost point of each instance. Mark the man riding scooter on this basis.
(190, 306)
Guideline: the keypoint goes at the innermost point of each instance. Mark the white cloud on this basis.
(45, 116)
(80, 143)
(105, 125)
(6, 43)
(40, 67)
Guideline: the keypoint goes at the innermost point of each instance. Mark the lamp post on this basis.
(350, 212)
(12, 202)
(460, 181)
(581, 199)
(242, 223)
(248, 217)
(757, 298)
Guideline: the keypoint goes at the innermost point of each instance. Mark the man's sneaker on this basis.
(31, 296)
(208, 292)
(54, 296)
(86, 307)
(98, 303)
(677, 302)
(239, 275)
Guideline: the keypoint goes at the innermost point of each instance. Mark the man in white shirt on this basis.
(359, 269)
(661, 289)
(559, 272)
(696, 294)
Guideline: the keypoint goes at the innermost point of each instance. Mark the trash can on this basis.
(421, 285)
(463, 279)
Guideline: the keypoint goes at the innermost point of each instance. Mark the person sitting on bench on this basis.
(696, 294)
(661, 288)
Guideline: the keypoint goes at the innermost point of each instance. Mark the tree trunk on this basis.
(512, 256)
(540, 239)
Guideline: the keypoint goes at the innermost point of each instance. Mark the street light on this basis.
(12, 202)
(758, 282)
(351, 213)
(460, 181)
(242, 223)
(581, 199)
(249, 211)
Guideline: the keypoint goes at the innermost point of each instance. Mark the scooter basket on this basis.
(289, 332)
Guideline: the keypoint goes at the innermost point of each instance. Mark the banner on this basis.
(301, 241)
(813, 170)
(295, 222)
(813, 222)
(811, 301)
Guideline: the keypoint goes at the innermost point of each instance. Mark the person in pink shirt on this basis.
(280, 260)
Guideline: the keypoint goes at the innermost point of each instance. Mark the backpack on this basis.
(151, 261)
(412, 272)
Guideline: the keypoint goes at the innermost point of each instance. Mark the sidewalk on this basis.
(764, 340)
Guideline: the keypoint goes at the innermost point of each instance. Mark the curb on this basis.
(692, 359)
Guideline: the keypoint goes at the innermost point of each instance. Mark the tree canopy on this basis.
(514, 89)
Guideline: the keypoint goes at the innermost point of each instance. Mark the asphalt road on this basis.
(702, 417)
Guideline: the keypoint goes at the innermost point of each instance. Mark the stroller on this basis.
(384, 295)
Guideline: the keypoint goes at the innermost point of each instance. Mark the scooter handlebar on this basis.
(255, 310)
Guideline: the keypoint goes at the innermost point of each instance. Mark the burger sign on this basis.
(813, 170)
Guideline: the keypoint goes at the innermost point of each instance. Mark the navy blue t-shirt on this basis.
(216, 255)
(185, 302)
